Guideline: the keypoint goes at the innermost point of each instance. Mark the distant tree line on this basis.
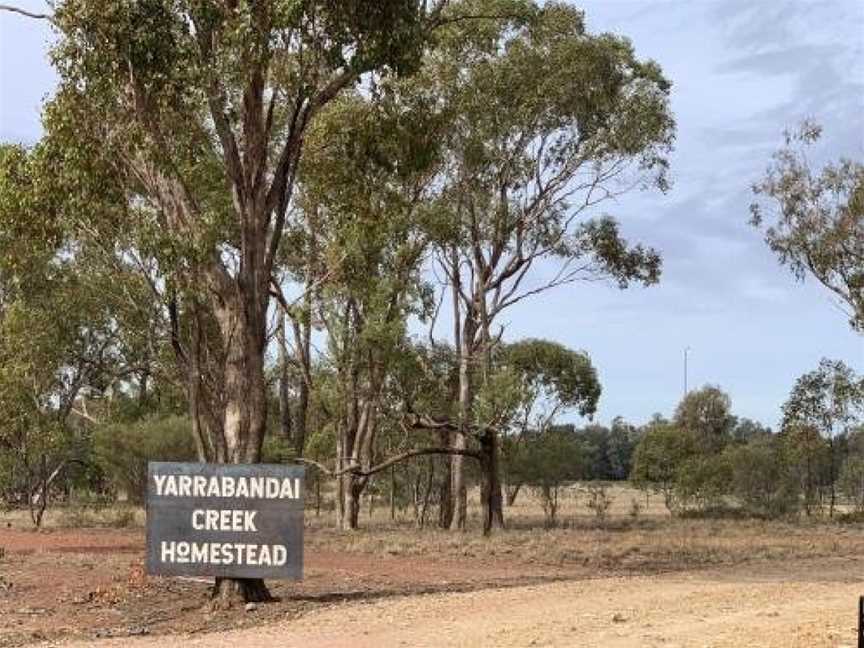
(704, 460)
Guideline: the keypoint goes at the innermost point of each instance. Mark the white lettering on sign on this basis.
(223, 553)
(227, 520)
(225, 486)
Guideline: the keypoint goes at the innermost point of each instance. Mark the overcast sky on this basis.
(743, 70)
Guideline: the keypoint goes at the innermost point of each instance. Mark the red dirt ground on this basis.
(88, 583)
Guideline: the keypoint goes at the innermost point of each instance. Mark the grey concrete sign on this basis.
(227, 520)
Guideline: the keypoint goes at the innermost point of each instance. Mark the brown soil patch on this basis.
(779, 585)
(91, 583)
(813, 606)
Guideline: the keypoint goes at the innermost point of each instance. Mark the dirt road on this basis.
(812, 604)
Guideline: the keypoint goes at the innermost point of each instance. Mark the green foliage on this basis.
(172, 146)
(829, 399)
(808, 456)
(111, 516)
(599, 501)
(551, 372)
(544, 113)
(27, 245)
(825, 405)
(851, 481)
(123, 450)
(544, 461)
(656, 461)
(747, 430)
(818, 227)
(761, 478)
(277, 449)
(707, 414)
(547, 458)
(703, 481)
(623, 438)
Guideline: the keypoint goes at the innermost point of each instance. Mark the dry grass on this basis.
(649, 542)
(652, 541)
(117, 516)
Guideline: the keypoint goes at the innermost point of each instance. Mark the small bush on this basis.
(81, 517)
(719, 512)
(761, 481)
(703, 481)
(852, 517)
(123, 450)
(657, 458)
(599, 501)
(851, 481)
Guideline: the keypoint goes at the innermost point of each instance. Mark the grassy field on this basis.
(649, 541)
(646, 540)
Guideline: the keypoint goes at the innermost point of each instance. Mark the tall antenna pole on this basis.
(686, 351)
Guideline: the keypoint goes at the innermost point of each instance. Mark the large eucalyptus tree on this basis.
(196, 112)
(550, 121)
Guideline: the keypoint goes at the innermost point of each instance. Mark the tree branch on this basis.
(28, 14)
(408, 454)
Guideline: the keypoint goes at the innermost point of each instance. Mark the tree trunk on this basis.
(832, 477)
(445, 499)
(513, 493)
(455, 514)
(299, 421)
(427, 493)
(392, 493)
(37, 504)
(493, 513)
(349, 490)
(194, 388)
(243, 334)
(228, 592)
(458, 488)
(284, 378)
(303, 345)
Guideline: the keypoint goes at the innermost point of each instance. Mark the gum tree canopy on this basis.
(551, 123)
(814, 219)
(176, 132)
(199, 109)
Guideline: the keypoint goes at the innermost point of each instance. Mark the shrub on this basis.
(123, 450)
(78, 517)
(657, 459)
(851, 481)
(703, 481)
(599, 501)
(545, 461)
(761, 480)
